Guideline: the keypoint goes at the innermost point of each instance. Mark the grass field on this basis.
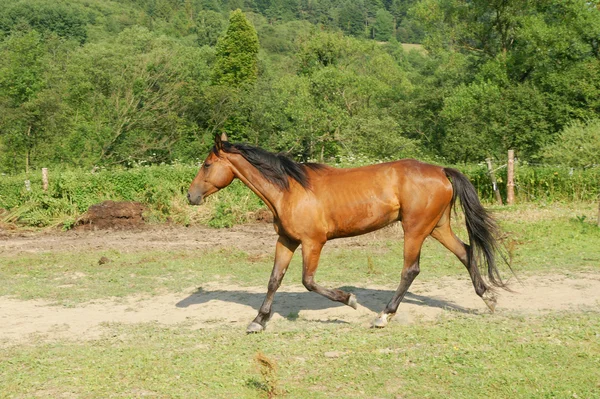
(554, 354)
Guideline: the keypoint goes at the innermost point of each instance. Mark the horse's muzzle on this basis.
(194, 199)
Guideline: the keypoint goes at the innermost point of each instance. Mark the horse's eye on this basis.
(206, 165)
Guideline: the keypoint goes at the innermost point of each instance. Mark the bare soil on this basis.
(219, 305)
(255, 238)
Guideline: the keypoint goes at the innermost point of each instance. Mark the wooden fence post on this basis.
(45, 179)
(510, 178)
(494, 183)
(598, 210)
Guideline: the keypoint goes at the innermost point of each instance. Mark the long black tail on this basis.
(481, 227)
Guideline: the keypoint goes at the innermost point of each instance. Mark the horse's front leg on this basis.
(311, 252)
(284, 250)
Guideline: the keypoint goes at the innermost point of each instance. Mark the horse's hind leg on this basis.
(311, 252)
(444, 234)
(284, 250)
(412, 253)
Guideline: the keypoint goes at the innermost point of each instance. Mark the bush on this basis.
(538, 183)
(578, 145)
(71, 193)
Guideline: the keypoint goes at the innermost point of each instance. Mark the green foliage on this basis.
(483, 116)
(321, 50)
(578, 145)
(539, 183)
(351, 18)
(71, 193)
(209, 26)
(233, 205)
(383, 28)
(236, 58)
(27, 101)
(47, 16)
(109, 83)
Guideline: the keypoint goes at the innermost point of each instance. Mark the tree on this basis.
(577, 145)
(352, 17)
(21, 80)
(209, 26)
(483, 119)
(321, 50)
(135, 99)
(237, 53)
(383, 28)
(282, 10)
(67, 21)
(528, 39)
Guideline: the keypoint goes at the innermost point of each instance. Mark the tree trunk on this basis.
(598, 210)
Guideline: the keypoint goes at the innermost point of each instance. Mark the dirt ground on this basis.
(215, 304)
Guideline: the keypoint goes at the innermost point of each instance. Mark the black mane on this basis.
(276, 168)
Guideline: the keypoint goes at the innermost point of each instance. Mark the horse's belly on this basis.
(353, 224)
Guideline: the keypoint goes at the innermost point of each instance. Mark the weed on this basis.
(584, 226)
(371, 266)
(268, 371)
(222, 216)
(293, 316)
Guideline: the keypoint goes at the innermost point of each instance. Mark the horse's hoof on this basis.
(254, 328)
(352, 302)
(490, 300)
(381, 320)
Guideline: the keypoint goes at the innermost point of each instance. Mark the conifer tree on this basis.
(237, 53)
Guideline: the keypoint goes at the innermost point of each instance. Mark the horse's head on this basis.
(215, 174)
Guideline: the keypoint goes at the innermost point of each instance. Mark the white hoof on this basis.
(352, 302)
(490, 300)
(254, 328)
(382, 320)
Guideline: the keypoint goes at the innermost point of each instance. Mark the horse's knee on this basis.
(274, 284)
(411, 272)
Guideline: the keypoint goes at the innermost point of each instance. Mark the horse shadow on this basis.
(289, 304)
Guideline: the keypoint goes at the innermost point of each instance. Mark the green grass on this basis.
(460, 356)
(557, 243)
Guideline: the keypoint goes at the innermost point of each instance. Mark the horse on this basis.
(313, 203)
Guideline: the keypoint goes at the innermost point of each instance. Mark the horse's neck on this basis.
(255, 181)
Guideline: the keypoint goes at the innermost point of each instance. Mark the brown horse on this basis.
(313, 203)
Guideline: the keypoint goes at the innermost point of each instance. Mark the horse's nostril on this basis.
(189, 196)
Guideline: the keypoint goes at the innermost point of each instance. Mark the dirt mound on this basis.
(121, 215)
(263, 215)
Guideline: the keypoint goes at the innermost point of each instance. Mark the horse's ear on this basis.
(224, 137)
(218, 142)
